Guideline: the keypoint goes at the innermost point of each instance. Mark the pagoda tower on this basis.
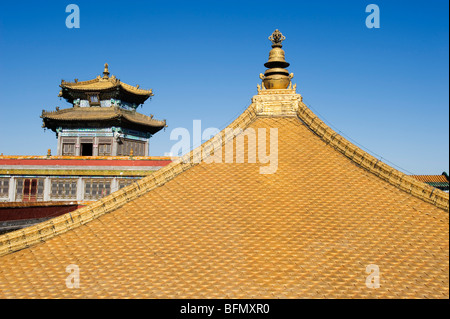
(103, 120)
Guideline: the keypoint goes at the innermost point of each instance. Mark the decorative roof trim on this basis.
(24, 238)
(372, 164)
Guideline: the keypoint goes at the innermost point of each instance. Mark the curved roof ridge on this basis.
(280, 103)
(143, 119)
(372, 164)
(94, 80)
(58, 111)
(135, 89)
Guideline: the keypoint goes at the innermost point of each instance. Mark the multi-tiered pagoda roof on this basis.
(103, 119)
(107, 102)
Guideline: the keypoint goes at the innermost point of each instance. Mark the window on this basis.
(68, 149)
(30, 190)
(40, 189)
(4, 187)
(19, 189)
(96, 188)
(68, 146)
(93, 99)
(104, 149)
(64, 188)
(124, 148)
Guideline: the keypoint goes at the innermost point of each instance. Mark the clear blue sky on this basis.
(385, 88)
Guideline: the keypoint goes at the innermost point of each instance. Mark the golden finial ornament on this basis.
(277, 37)
(106, 72)
(276, 77)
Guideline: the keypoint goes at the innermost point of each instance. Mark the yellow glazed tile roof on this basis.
(99, 84)
(223, 230)
(101, 114)
(431, 178)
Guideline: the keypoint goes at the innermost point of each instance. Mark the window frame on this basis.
(4, 185)
(61, 193)
(93, 94)
(87, 184)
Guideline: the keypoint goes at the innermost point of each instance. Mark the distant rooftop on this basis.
(438, 181)
(104, 85)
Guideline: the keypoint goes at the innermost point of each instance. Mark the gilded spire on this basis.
(276, 77)
(106, 72)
